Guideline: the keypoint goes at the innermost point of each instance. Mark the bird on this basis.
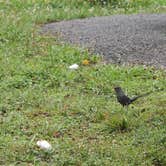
(123, 99)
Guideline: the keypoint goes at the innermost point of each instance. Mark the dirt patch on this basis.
(139, 38)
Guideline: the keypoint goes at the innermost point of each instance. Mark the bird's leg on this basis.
(126, 107)
(127, 110)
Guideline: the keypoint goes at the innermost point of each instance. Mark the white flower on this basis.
(43, 144)
(74, 67)
(91, 9)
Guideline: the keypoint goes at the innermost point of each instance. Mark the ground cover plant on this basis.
(75, 110)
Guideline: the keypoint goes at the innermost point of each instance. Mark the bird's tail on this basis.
(143, 95)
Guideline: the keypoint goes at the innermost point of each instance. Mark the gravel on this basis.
(122, 39)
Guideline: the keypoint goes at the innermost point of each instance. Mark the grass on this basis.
(76, 111)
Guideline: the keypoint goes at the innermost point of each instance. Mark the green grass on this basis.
(76, 111)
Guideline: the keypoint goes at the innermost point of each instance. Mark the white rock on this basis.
(74, 67)
(43, 144)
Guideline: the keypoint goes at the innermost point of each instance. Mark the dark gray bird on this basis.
(125, 100)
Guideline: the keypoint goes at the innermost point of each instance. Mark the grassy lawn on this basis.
(75, 110)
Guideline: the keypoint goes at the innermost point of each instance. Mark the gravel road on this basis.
(138, 38)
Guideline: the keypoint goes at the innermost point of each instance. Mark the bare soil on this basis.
(122, 39)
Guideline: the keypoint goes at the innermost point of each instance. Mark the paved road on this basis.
(139, 38)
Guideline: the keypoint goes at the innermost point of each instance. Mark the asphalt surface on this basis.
(122, 39)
